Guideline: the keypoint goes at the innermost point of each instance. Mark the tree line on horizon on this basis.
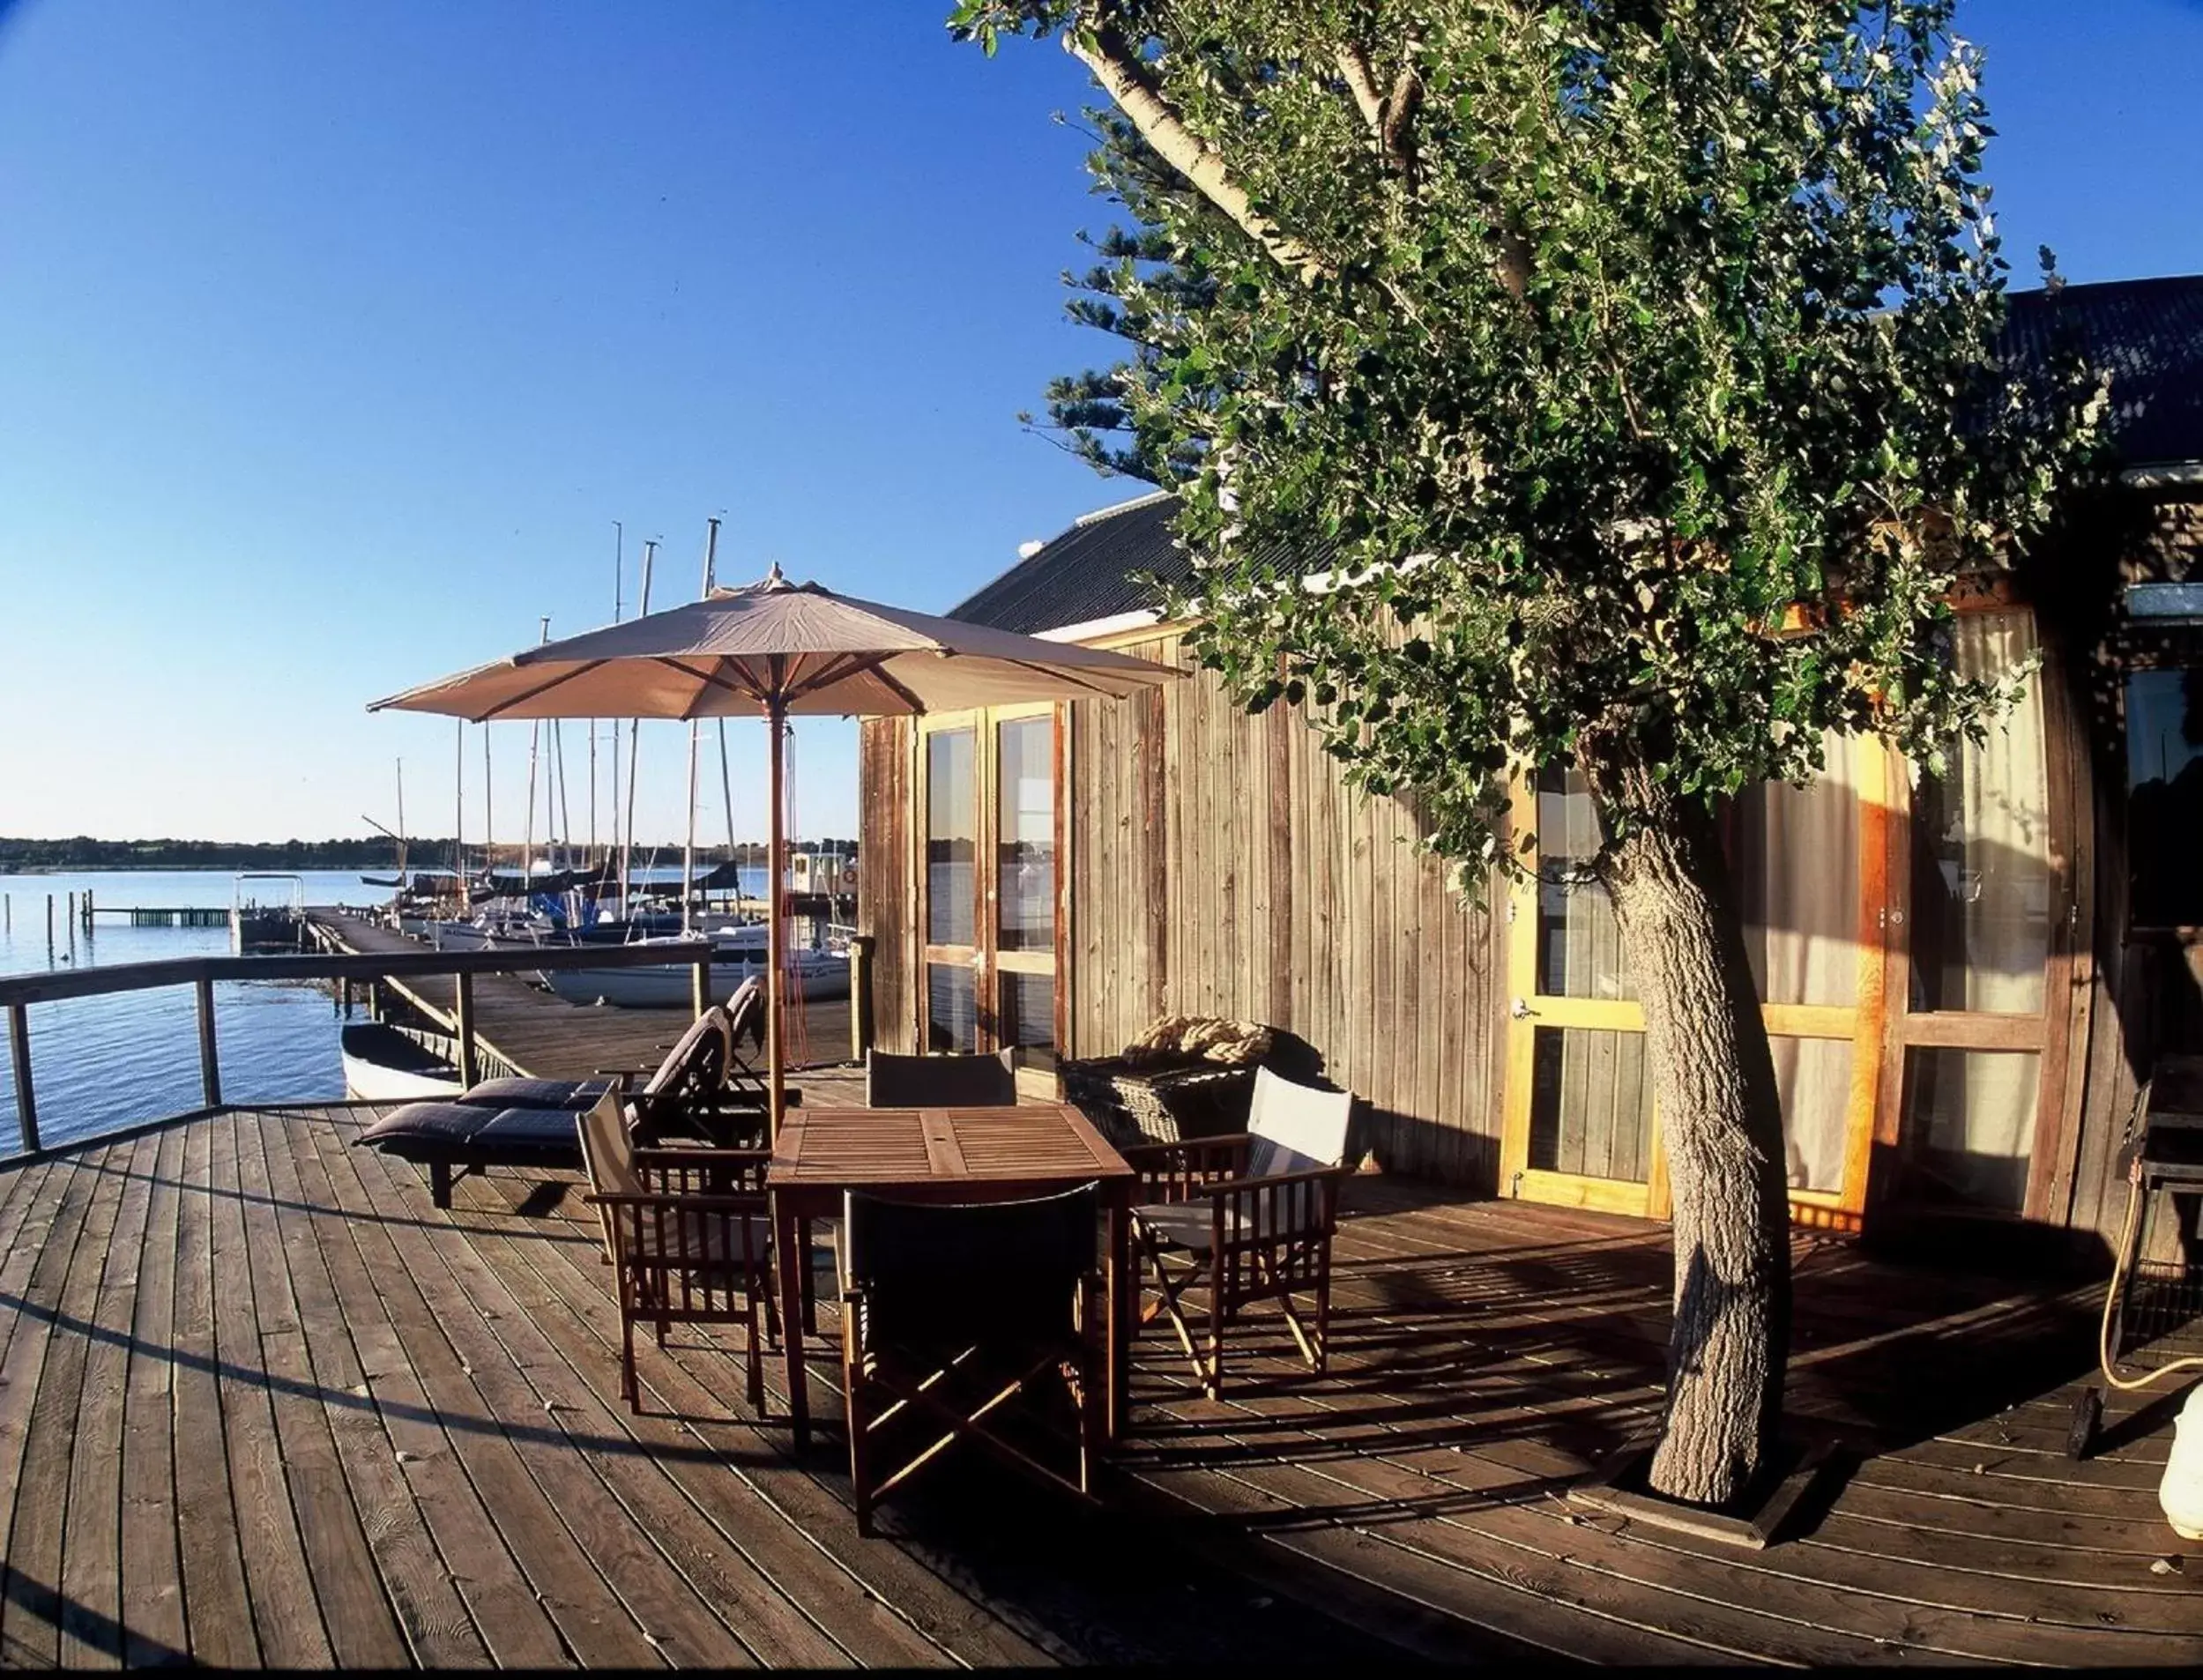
(377, 851)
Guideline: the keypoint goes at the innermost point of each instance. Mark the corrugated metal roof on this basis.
(2148, 333)
(1088, 573)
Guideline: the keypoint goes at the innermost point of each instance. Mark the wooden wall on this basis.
(1217, 866)
(2145, 985)
(886, 889)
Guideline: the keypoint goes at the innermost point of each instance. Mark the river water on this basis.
(99, 1063)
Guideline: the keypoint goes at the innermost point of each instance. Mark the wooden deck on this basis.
(539, 1034)
(261, 1403)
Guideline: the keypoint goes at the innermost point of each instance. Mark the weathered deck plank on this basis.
(261, 1400)
(151, 1566)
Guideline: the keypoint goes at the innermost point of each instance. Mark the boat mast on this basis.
(535, 741)
(689, 850)
(618, 577)
(401, 825)
(627, 862)
(490, 839)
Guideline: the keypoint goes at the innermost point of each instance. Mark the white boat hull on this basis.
(369, 1080)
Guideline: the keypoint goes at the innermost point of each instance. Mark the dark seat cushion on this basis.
(570, 1095)
(447, 1131)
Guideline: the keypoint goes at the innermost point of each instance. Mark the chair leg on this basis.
(810, 1279)
(856, 1392)
(630, 1389)
(440, 1183)
(756, 1352)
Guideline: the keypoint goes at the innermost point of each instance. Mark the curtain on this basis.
(1978, 1108)
(1799, 866)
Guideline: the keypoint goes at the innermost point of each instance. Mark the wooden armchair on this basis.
(688, 1233)
(1247, 1218)
(951, 1312)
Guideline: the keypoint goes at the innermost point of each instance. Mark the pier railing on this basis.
(18, 992)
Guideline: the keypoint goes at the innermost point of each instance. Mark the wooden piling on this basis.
(210, 1061)
(470, 1070)
(49, 924)
(860, 996)
(26, 1102)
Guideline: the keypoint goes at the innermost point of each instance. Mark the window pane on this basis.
(1590, 1107)
(1579, 945)
(1981, 872)
(1970, 1126)
(1028, 1011)
(1812, 1077)
(1025, 835)
(952, 1008)
(2164, 780)
(1797, 875)
(952, 837)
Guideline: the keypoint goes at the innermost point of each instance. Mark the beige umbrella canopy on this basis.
(772, 650)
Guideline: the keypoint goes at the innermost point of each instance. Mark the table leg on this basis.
(1123, 1310)
(792, 1260)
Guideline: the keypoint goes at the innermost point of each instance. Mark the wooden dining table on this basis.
(943, 1155)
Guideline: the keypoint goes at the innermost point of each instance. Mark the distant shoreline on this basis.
(429, 855)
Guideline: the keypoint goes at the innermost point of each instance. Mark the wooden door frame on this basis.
(984, 956)
(1860, 1023)
(2062, 1022)
(1517, 1177)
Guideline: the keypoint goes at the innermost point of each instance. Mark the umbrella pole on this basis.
(775, 720)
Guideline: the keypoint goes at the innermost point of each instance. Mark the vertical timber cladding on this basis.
(887, 889)
(1221, 866)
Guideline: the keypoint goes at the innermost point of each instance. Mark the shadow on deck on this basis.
(260, 1402)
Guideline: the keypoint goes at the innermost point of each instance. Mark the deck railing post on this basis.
(860, 996)
(26, 1104)
(701, 990)
(470, 1072)
(210, 1059)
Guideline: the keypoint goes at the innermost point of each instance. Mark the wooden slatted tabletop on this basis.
(923, 1149)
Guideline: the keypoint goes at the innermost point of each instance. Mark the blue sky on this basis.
(334, 340)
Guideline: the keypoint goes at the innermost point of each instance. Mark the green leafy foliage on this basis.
(1640, 403)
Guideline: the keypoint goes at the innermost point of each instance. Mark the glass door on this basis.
(951, 879)
(993, 909)
(1580, 1125)
(1024, 888)
(1983, 907)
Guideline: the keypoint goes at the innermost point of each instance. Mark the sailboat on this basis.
(738, 953)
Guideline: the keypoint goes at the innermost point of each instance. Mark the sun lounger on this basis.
(530, 1122)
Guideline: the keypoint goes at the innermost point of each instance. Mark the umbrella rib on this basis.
(1060, 672)
(713, 679)
(850, 665)
(540, 689)
(897, 689)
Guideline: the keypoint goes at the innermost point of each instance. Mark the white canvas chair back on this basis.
(608, 1153)
(1294, 1127)
(712, 1022)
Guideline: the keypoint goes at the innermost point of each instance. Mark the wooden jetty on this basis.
(521, 1029)
(265, 1404)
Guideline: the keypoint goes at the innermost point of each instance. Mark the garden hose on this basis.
(2111, 1296)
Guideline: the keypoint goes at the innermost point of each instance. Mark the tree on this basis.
(1632, 361)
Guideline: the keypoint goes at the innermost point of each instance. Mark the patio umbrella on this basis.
(776, 650)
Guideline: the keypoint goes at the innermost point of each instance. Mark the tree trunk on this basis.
(1714, 1081)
